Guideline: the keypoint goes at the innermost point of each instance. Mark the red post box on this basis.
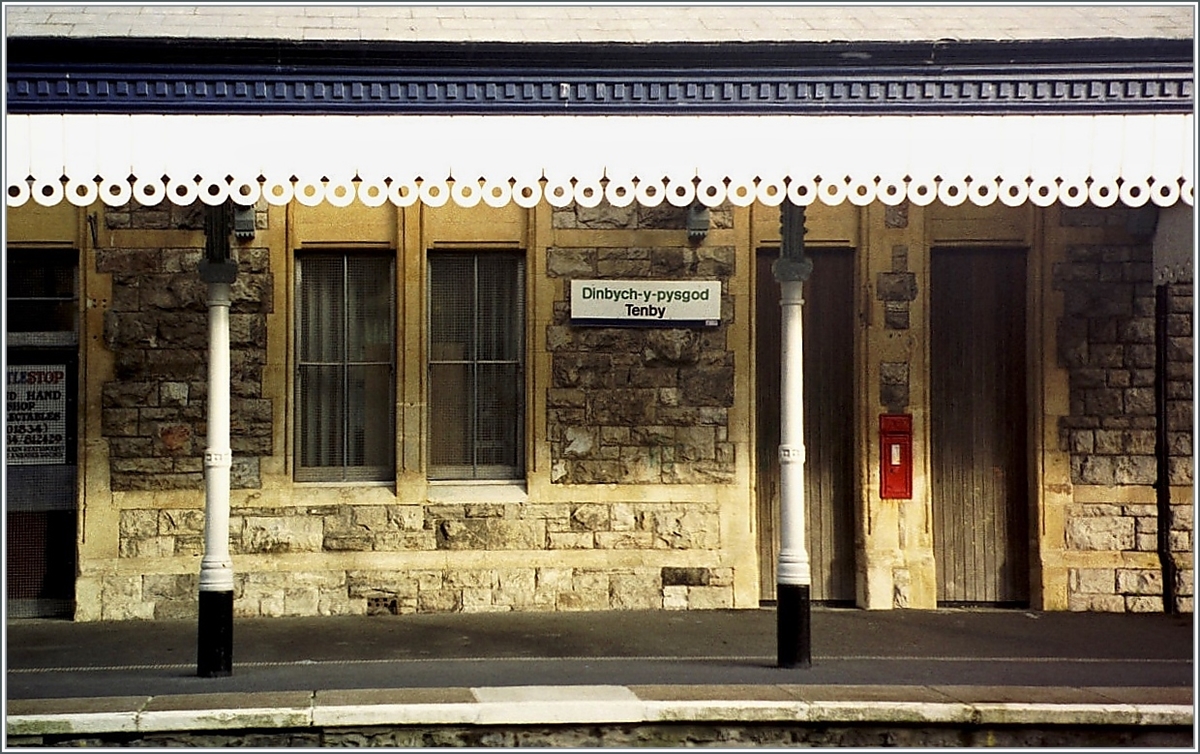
(895, 456)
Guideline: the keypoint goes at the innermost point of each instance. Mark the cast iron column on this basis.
(794, 574)
(215, 646)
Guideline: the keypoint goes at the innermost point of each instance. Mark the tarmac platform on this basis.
(610, 678)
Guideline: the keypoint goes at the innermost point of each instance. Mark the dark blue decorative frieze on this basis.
(239, 90)
(125, 75)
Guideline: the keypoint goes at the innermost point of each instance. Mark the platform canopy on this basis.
(649, 159)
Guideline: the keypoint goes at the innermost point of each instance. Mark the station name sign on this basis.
(646, 303)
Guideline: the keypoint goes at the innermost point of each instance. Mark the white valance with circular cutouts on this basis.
(679, 159)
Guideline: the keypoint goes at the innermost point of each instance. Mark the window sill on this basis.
(504, 491)
(344, 483)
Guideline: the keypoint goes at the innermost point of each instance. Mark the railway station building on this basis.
(505, 331)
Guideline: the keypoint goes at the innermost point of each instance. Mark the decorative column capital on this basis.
(792, 265)
(791, 270)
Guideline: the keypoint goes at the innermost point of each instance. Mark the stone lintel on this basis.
(1118, 495)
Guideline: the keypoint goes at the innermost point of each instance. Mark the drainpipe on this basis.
(794, 573)
(1171, 233)
(1162, 455)
(215, 645)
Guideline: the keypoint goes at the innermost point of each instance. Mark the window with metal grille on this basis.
(345, 333)
(476, 365)
(42, 308)
(42, 297)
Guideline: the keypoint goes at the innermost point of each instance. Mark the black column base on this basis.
(215, 653)
(794, 626)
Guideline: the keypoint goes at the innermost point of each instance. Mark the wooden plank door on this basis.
(828, 427)
(978, 425)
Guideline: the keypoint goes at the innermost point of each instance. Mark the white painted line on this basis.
(890, 712)
(76, 723)
(534, 705)
(651, 658)
(725, 710)
(448, 713)
(1165, 714)
(225, 719)
(1024, 713)
(1032, 660)
(96, 669)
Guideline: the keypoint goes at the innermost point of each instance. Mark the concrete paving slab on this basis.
(42, 717)
(232, 700)
(866, 693)
(719, 703)
(1021, 695)
(1060, 705)
(539, 694)
(544, 705)
(886, 713)
(346, 698)
(1086, 715)
(227, 711)
(692, 692)
(418, 706)
(1146, 694)
(725, 711)
(78, 706)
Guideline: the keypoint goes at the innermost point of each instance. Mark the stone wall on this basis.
(897, 289)
(426, 590)
(626, 406)
(726, 734)
(486, 527)
(1106, 340)
(639, 405)
(157, 329)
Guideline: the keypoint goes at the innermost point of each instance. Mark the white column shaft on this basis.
(794, 568)
(216, 567)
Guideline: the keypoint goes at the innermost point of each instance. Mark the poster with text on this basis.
(36, 412)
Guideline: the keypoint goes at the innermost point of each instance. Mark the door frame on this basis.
(766, 501)
(1027, 486)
